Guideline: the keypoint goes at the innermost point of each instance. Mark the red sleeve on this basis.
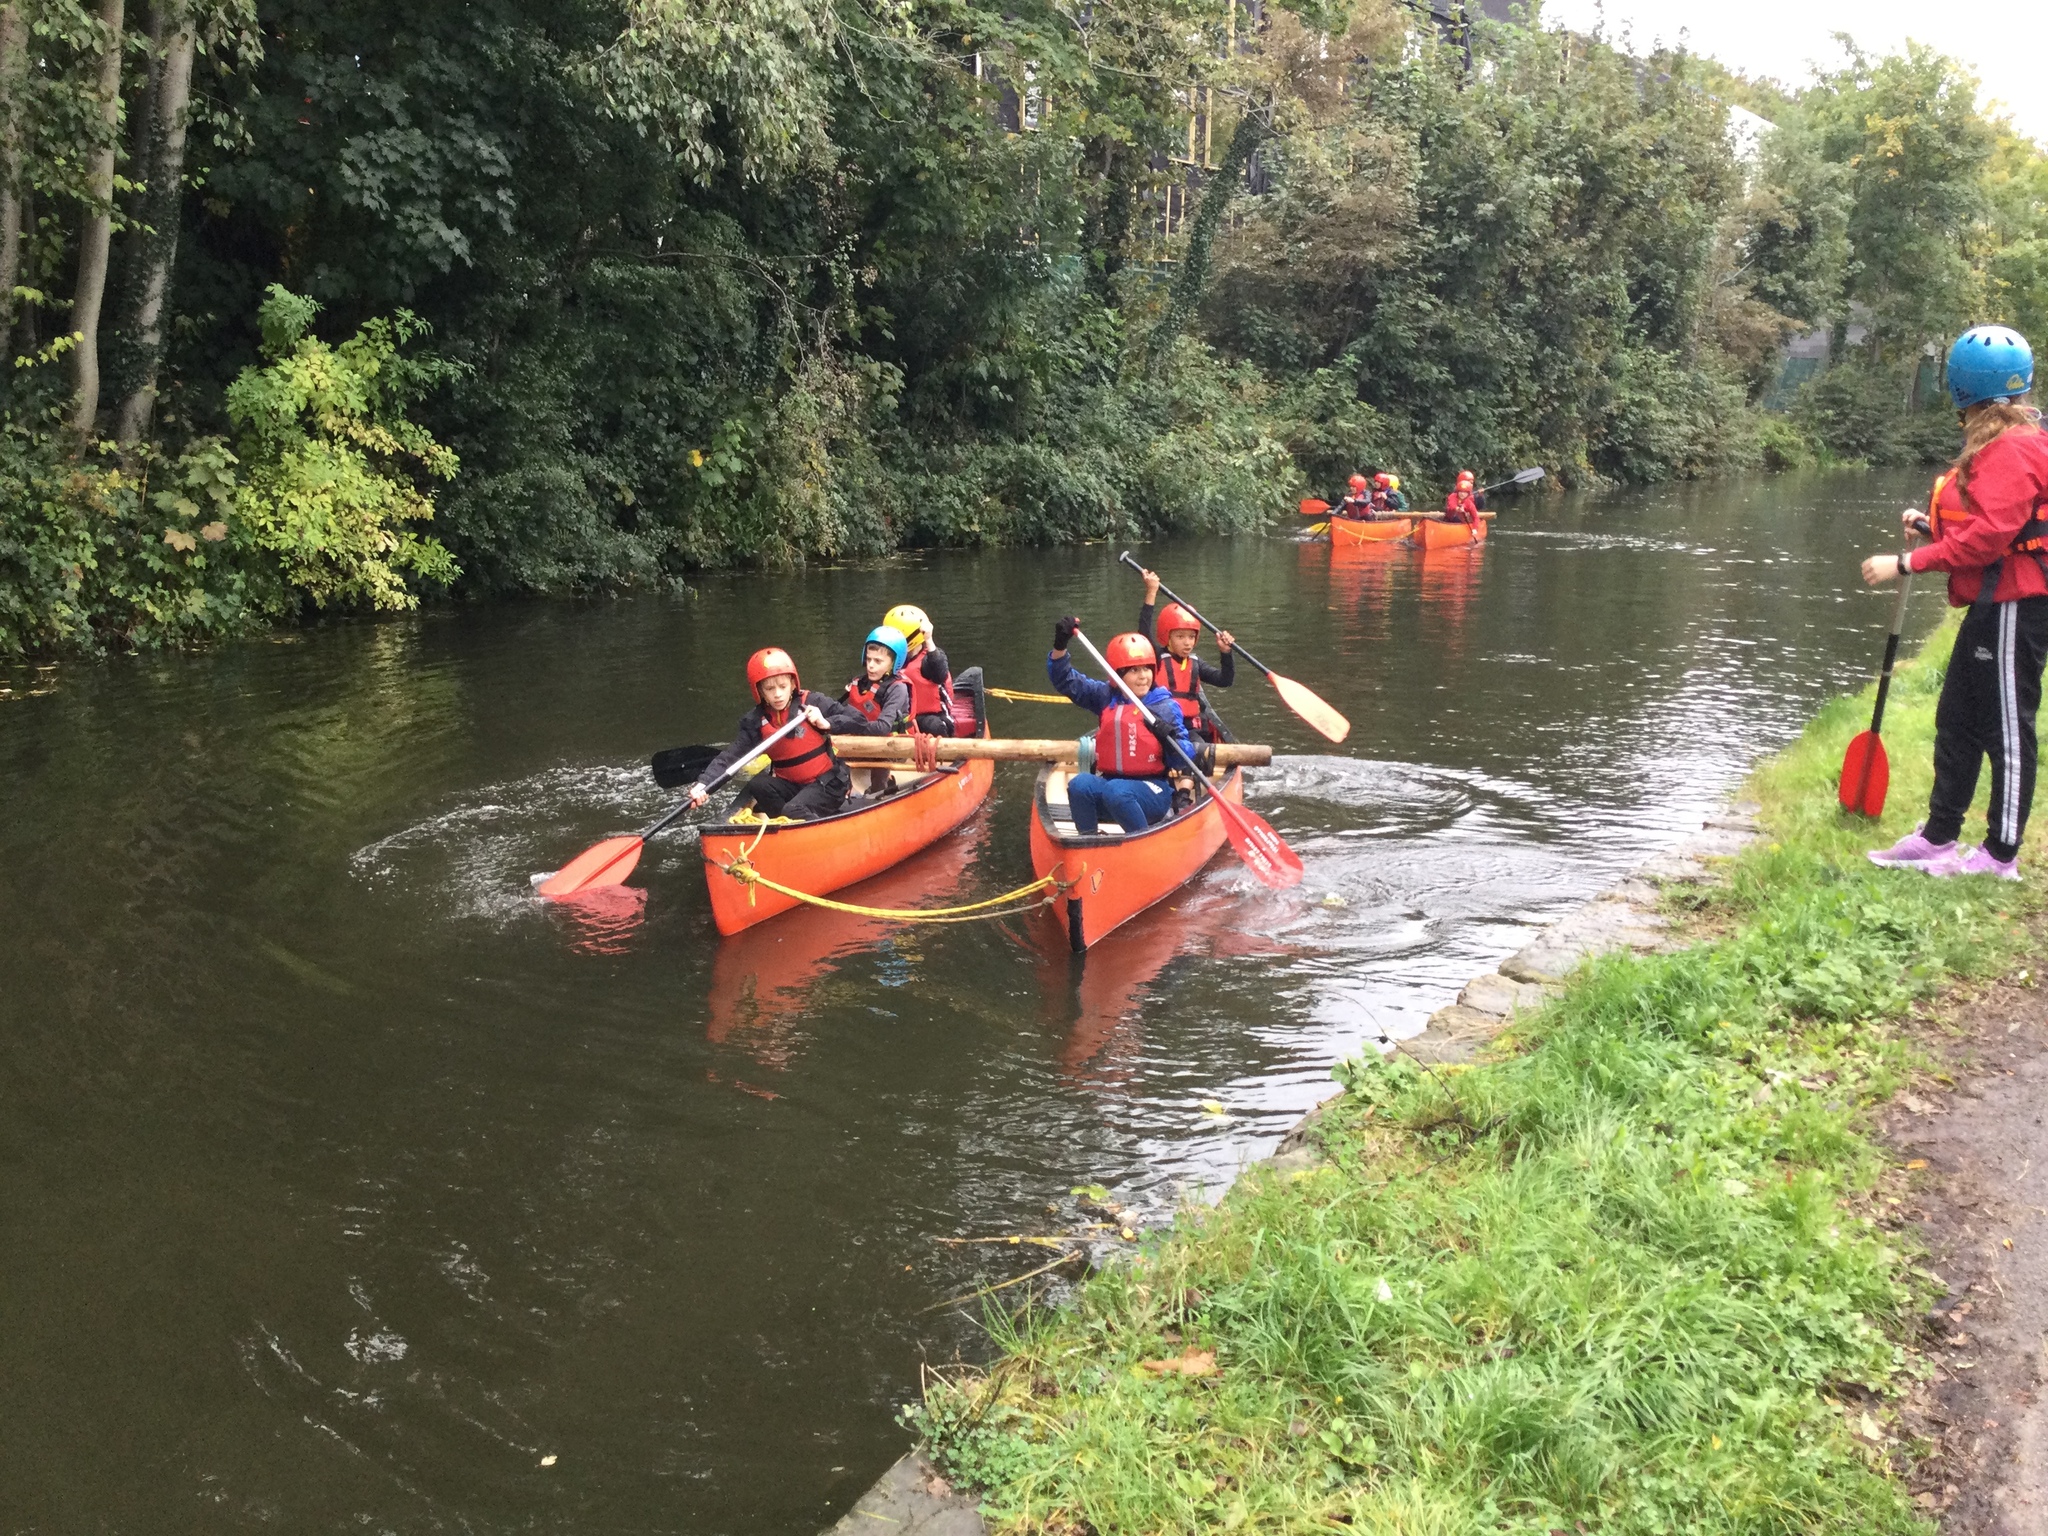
(2007, 482)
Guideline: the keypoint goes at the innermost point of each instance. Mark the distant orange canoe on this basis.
(819, 857)
(1430, 534)
(1380, 530)
(1113, 876)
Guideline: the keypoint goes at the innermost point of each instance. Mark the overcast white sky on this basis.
(2006, 45)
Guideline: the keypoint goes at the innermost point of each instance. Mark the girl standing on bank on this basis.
(1987, 531)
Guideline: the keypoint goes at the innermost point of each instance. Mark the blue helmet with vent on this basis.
(1989, 362)
(892, 641)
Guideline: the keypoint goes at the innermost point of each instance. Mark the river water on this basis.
(342, 1182)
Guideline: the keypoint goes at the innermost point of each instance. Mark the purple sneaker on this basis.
(1912, 852)
(1974, 861)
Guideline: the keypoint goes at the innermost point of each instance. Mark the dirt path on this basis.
(1981, 1206)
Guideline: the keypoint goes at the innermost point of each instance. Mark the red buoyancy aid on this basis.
(1948, 507)
(805, 753)
(865, 695)
(1125, 747)
(928, 697)
(1462, 506)
(1183, 679)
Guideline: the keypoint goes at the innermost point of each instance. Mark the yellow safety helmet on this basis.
(1393, 482)
(914, 623)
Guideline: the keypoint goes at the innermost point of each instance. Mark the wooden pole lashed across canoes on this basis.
(898, 750)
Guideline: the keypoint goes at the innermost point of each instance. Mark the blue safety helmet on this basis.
(892, 639)
(1989, 362)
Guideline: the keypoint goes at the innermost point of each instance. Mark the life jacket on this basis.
(1183, 679)
(928, 697)
(1462, 506)
(865, 695)
(1125, 746)
(805, 753)
(1948, 507)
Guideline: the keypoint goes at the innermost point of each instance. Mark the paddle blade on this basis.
(1312, 709)
(1317, 530)
(676, 766)
(608, 863)
(1866, 776)
(1529, 476)
(1310, 507)
(1261, 848)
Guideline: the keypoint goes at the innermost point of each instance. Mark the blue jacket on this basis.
(1096, 697)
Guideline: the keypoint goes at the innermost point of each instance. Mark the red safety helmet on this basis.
(1127, 651)
(1465, 479)
(1358, 482)
(771, 661)
(1383, 480)
(1173, 616)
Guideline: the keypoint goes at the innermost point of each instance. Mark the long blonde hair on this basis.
(1984, 423)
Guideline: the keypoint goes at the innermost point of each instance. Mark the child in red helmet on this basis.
(1181, 672)
(805, 780)
(1129, 786)
(1464, 504)
(1357, 500)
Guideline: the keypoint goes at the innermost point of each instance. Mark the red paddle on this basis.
(1866, 770)
(1256, 842)
(1310, 507)
(609, 862)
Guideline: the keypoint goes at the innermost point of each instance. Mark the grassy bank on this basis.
(1624, 1273)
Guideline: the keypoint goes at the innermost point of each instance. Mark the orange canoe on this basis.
(1430, 534)
(819, 857)
(1110, 877)
(1379, 530)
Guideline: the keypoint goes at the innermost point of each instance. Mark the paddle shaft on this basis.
(1891, 651)
(1173, 596)
(1165, 739)
(898, 750)
(796, 720)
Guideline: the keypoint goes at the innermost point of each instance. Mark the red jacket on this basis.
(2008, 484)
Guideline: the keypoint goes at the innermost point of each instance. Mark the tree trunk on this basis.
(97, 233)
(156, 248)
(13, 57)
(1251, 131)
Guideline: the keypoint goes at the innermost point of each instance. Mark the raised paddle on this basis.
(1294, 695)
(1310, 507)
(676, 766)
(609, 862)
(1866, 769)
(1256, 843)
(1520, 477)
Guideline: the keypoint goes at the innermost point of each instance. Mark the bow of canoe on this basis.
(1379, 530)
(1110, 877)
(1430, 534)
(822, 856)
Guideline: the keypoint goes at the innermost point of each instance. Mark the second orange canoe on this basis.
(1112, 876)
(1430, 534)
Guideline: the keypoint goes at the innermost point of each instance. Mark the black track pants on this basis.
(801, 802)
(1987, 709)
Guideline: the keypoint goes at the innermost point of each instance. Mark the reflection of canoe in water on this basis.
(764, 981)
(819, 857)
(1434, 535)
(1380, 530)
(1112, 876)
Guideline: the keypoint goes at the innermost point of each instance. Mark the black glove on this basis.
(1064, 631)
(1205, 756)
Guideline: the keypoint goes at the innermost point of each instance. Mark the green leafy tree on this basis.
(331, 467)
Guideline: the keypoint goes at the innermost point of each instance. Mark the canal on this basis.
(345, 1186)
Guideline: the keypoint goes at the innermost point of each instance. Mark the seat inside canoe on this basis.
(1061, 811)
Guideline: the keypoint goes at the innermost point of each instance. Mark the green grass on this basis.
(1621, 1274)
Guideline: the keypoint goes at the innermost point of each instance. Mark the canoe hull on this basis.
(1433, 535)
(1351, 530)
(1113, 877)
(822, 856)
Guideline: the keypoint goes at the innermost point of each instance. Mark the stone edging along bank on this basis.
(912, 1499)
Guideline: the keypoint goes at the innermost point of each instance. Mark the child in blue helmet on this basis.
(1986, 530)
(881, 697)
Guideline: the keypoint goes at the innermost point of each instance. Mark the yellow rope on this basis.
(1027, 698)
(742, 869)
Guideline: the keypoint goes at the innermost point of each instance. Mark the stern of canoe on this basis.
(822, 856)
(1434, 535)
(1351, 530)
(1110, 878)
